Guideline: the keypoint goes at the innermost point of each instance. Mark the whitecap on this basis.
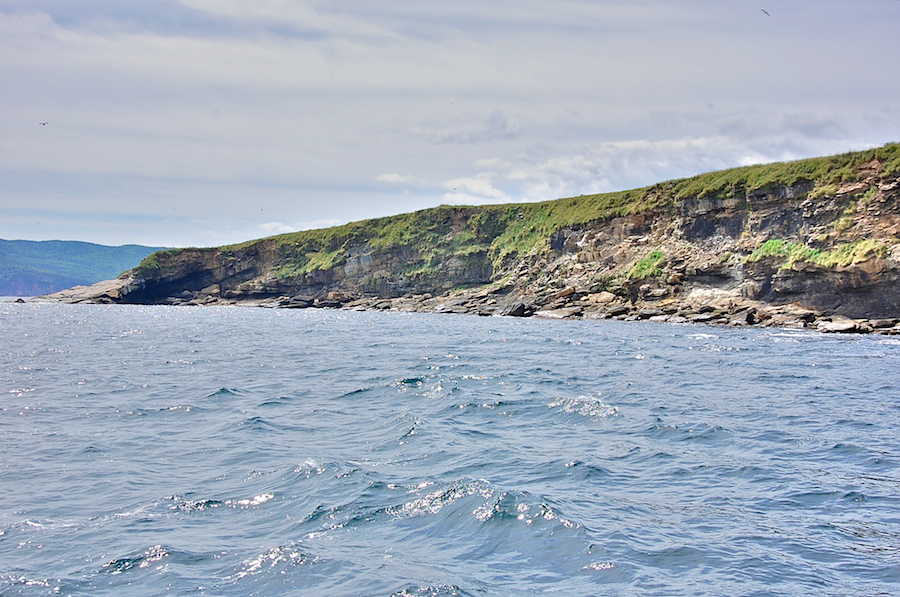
(586, 406)
(287, 555)
(254, 501)
(599, 566)
(434, 502)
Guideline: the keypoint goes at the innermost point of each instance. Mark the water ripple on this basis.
(151, 451)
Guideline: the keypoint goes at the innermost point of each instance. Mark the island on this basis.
(811, 243)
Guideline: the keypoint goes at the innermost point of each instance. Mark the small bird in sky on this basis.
(765, 11)
(43, 123)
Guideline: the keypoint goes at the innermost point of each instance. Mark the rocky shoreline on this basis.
(701, 306)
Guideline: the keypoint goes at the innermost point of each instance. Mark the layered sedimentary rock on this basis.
(812, 243)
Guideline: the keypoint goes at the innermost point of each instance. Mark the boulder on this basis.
(601, 298)
(561, 294)
(300, 302)
(839, 325)
(517, 309)
(745, 317)
(882, 323)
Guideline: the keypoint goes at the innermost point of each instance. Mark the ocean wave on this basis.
(431, 591)
(590, 407)
(276, 560)
(146, 559)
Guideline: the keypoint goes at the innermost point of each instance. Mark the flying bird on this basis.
(765, 11)
(43, 123)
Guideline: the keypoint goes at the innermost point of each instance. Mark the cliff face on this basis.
(816, 238)
(286, 266)
(833, 254)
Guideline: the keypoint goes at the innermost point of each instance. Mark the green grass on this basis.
(150, 266)
(851, 253)
(848, 218)
(788, 251)
(827, 172)
(648, 267)
(840, 256)
(774, 247)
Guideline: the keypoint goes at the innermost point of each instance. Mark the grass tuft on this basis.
(648, 267)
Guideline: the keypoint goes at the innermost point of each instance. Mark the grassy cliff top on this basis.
(505, 231)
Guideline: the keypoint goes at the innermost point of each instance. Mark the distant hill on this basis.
(31, 268)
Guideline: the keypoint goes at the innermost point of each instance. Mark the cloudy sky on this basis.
(203, 122)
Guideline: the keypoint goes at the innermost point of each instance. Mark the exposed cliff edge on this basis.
(810, 243)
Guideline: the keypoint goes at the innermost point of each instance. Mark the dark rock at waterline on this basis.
(879, 324)
(617, 310)
(327, 304)
(517, 309)
(300, 302)
(745, 317)
(703, 317)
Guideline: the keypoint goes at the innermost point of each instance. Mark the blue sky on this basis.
(203, 122)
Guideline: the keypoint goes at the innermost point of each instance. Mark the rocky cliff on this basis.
(806, 243)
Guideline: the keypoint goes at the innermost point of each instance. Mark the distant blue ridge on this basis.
(31, 268)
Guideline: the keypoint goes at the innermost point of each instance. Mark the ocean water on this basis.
(239, 451)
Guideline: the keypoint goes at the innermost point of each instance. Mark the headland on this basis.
(811, 243)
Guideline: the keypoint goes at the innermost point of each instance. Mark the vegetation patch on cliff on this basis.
(648, 267)
(841, 255)
(150, 265)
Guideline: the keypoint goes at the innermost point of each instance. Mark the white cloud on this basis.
(473, 191)
(209, 110)
(604, 167)
(273, 228)
(396, 178)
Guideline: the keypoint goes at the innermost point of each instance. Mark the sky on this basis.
(206, 122)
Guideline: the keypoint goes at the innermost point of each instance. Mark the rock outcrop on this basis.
(807, 244)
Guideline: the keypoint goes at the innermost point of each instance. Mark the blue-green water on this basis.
(238, 451)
